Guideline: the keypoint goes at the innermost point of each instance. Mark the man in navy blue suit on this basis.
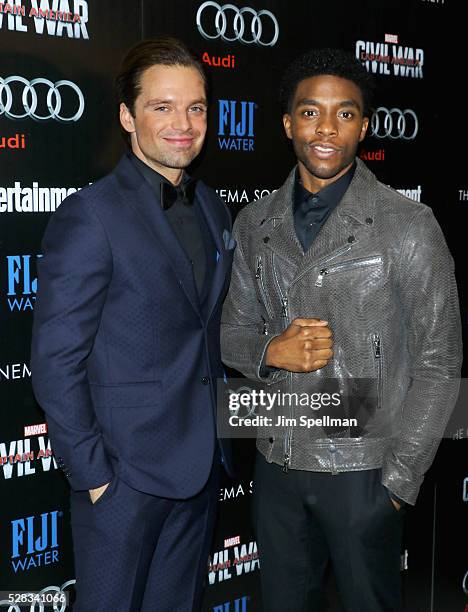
(126, 347)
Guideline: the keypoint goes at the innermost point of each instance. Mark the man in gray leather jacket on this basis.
(337, 277)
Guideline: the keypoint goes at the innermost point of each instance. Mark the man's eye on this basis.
(310, 113)
(198, 109)
(347, 114)
(160, 108)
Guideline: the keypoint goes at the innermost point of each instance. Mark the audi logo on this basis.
(31, 90)
(238, 24)
(394, 123)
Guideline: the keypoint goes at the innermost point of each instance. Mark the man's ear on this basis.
(126, 119)
(287, 124)
(365, 125)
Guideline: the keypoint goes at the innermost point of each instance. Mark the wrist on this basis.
(270, 354)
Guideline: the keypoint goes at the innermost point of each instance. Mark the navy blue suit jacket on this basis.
(124, 359)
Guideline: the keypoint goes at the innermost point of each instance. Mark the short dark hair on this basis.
(318, 62)
(165, 51)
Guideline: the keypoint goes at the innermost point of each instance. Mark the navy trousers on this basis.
(303, 520)
(136, 552)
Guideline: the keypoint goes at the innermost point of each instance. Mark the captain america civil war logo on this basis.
(390, 59)
(26, 457)
(63, 18)
(234, 560)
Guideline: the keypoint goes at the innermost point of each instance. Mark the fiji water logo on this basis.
(22, 282)
(237, 605)
(236, 128)
(34, 541)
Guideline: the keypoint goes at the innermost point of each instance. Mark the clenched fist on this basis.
(305, 346)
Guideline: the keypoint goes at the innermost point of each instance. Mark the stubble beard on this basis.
(176, 160)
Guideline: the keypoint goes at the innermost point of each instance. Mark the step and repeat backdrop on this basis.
(59, 132)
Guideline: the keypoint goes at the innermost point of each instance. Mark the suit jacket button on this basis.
(205, 380)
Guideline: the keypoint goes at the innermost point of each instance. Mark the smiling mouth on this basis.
(323, 151)
(180, 142)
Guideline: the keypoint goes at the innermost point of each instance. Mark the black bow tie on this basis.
(185, 192)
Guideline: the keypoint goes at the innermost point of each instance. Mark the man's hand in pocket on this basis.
(95, 494)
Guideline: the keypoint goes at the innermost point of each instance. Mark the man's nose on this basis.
(181, 121)
(327, 125)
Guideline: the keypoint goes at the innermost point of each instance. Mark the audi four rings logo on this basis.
(394, 123)
(29, 99)
(238, 24)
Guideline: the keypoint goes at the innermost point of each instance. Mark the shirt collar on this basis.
(154, 178)
(331, 195)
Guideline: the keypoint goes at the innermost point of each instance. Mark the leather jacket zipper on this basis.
(286, 462)
(285, 315)
(346, 266)
(377, 349)
(337, 253)
(261, 284)
(284, 298)
(284, 307)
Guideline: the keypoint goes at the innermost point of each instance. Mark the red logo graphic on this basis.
(391, 38)
(219, 61)
(232, 541)
(18, 141)
(35, 430)
(378, 155)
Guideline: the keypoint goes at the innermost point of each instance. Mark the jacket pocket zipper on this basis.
(346, 266)
(337, 253)
(261, 284)
(284, 298)
(377, 349)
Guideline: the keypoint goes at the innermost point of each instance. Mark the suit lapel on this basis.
(140, 196)
(213, 219)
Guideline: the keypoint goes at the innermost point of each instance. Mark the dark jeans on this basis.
(304, 519)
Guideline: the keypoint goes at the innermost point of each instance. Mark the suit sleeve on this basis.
(429, 299)
(243, 343)
(73, 276)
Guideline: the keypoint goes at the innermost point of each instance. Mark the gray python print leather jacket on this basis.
(381, 274)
